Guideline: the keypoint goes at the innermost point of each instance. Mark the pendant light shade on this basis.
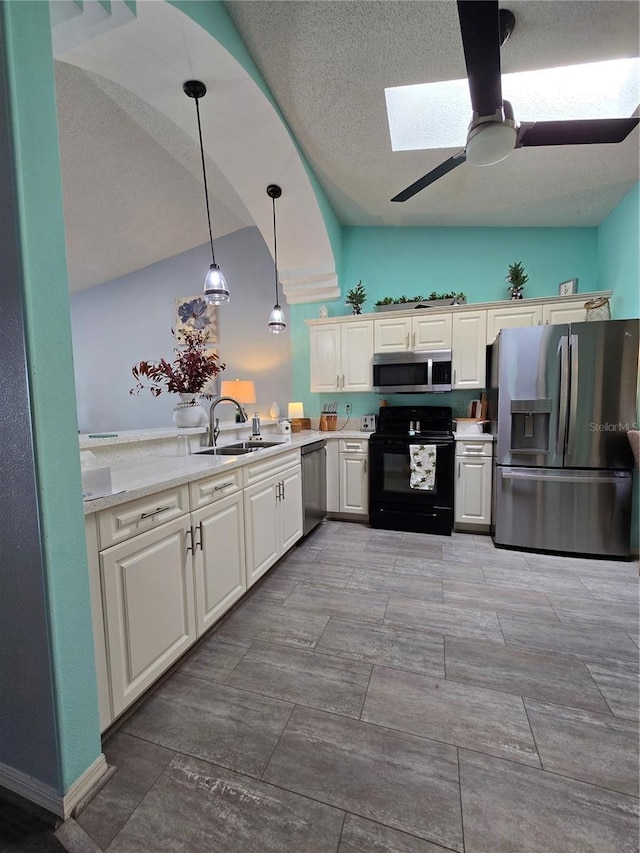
(277, 322)
(215, 288)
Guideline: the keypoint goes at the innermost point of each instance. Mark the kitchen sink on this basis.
(238, 449)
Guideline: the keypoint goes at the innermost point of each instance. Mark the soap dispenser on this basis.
(255, 425)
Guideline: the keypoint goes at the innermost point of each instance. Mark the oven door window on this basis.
(396, 474)
(391, 473)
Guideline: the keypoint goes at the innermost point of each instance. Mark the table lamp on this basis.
(295, 412)
(242, 390)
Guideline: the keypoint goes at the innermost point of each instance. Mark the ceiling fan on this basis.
(493, 133)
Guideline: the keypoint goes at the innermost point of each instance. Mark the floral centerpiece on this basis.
(187, 375)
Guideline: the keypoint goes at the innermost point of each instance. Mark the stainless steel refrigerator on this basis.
(562, 399)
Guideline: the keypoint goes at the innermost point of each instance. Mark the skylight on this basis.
(437, 115)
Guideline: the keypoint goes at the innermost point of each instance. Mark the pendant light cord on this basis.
(204, 174)
(275, 246)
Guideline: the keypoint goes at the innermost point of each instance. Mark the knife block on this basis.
(328, 423)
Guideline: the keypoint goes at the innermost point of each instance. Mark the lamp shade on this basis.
(242, 390)
(215, 288)
(295, 410)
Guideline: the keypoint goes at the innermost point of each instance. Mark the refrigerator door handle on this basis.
(563, 397)
(558, 478)
(573, 404)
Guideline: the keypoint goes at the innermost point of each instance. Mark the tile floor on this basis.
(383, 691)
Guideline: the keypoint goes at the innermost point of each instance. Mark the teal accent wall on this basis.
(619, 256)
(410, 261)
(416, 261)
(29, 64)
(619, 270)
(213, 17)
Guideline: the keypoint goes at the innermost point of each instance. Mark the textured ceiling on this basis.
(132, 178)
(132, 182)
(328, 63)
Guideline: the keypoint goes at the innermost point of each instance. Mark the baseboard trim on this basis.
(44, 795)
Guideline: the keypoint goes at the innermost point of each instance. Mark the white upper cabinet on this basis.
(325, 358)
(429, 332)
(341, 356)
(423, 332)
(554, 314)
(342, 348)
(520, 314)
(469, 344)
(391, 334)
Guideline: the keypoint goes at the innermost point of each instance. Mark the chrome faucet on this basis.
(214, 429)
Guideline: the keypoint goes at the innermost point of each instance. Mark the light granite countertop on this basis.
(155, 471)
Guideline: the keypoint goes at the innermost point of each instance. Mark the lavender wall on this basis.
(129, 319)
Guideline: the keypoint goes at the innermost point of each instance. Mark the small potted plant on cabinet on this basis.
(356, 298)
(517, 279)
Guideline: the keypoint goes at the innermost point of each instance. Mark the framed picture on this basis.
(566, 288)
(193, 313)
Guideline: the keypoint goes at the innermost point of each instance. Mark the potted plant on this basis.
(517, 279)
(356, 298)
(188, 375)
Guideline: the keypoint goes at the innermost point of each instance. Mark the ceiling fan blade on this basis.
(592, 131)
(431, 176)
(480, 28)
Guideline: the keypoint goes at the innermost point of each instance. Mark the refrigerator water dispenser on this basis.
(530, 425)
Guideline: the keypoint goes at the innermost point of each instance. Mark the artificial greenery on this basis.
(517, 279)
(356, 297)
(400, 300)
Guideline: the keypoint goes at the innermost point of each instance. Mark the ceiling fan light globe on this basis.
(215, 288)
(491, 142)
(277, 322)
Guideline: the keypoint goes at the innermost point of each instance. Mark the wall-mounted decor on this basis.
(566, 288)
(194, 314)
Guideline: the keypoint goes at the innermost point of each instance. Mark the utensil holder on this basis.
(328, 423)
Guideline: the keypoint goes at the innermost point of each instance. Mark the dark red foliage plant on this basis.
(189, 373)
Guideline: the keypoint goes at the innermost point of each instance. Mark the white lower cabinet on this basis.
(473, 484)
(153, 593)
(219, 559)
(273, 519)
(149, 607)
(354, 476)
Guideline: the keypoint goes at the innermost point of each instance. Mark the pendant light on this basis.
(215, 289)
(277, 322)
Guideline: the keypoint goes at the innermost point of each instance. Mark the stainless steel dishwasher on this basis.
(314, 484)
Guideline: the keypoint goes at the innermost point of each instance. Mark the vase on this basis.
(189, 412)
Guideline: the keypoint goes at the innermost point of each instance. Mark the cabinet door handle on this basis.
(455, 373)
(222, 486)
(155, 512)
(200, 538)
(413, 340)
(190, 548)
(283, 493)
(337, 381)
(458, 470)
(407, 346)
(352, 446)
(342, 380)
(365, 466)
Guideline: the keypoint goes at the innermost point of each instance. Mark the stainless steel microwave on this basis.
(412, 372)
